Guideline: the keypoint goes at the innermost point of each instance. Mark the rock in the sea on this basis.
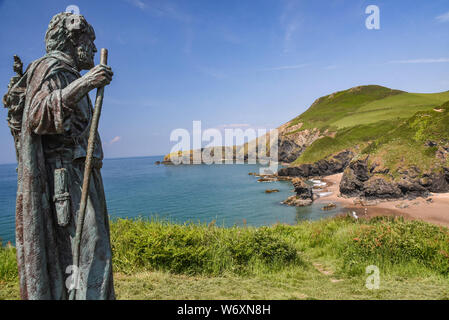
(297, 202)
(302, 189)
(329, 206)
(304, 195)
(271, 190)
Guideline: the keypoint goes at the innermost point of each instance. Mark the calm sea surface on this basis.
(199, 193)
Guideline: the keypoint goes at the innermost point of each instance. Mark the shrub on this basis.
(196, 249)
(392, 242)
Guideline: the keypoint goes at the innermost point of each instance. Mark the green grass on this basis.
(326, 111)
(400, 106)
(348, 138)
(8, 266)
(406, 146)
(361, 115)
(366, 105)
(198, 249)
(324, 259)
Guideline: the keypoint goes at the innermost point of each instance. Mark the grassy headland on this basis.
(359, 116)
(311, 260)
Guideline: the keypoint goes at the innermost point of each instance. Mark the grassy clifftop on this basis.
(324, 259)
(359, 116)
(421, 141)
(326, 111)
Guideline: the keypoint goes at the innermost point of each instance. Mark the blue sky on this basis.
(258, 63)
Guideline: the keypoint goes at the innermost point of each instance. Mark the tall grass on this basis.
(8, 265)
(198, 249)
(397, 247)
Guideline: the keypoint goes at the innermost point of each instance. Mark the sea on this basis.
(223, 194)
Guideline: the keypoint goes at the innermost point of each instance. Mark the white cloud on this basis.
(443, 18)
(299, 66)
(162, 9)
(416, 61)
(211, 72)
(115, 140)
(139, 4)
(290, 21)
(235, 125)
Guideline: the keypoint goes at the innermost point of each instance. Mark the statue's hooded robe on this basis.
(54, 135)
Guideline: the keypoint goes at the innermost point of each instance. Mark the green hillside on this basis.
(359, 116)
(415, 142)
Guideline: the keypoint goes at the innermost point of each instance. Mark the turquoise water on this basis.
(198, 193)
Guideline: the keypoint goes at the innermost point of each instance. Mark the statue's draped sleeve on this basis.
(47, 109)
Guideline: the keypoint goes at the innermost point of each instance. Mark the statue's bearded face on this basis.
(85, 51)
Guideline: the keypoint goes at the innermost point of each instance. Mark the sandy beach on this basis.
(434, 209)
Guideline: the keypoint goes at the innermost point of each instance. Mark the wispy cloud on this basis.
(139, 4)
(169, 10)
(298, 66)
(290, 21)
(211, 72)
(230, 37)
(417, 61)
(443, 18)
(115, 140)
(234, 125)
(163, 9)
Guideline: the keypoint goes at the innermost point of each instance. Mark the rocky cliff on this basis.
(388, 143)
(325, 167)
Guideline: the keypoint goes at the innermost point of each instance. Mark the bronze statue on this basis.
(50, 115)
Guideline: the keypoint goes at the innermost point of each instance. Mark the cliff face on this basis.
(325, 167)
(374, 181)
(388, 144)
(412, 161)
(293, 141)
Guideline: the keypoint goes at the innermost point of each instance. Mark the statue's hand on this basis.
(98, 76)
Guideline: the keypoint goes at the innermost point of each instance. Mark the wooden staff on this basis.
(86, 178)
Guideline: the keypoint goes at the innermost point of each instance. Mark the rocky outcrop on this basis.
(295, 201)
(303, 196)
(302, 189)
(372, 181)
(325, 167)
(292, 141)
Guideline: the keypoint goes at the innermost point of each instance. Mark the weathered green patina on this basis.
(50, 115)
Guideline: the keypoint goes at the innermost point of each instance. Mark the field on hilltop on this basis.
(358, 116)
(420, 141)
